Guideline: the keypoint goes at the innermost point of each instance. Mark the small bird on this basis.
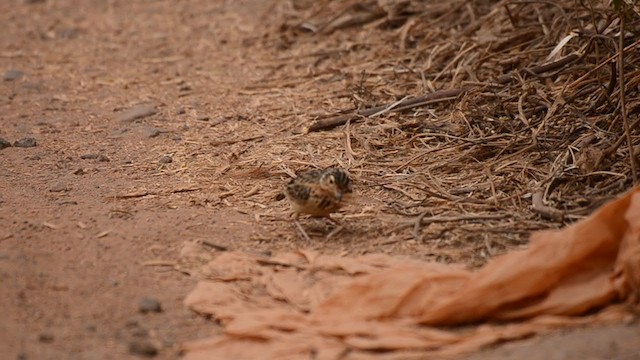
(318, 193)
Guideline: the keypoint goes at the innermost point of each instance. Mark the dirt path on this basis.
(102, 193)
(70, 251)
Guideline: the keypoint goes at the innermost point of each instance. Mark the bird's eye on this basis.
(331, 180)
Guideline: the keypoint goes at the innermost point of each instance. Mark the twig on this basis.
(148, 193)
(267, 261)
(214, 245)
(623, 106)
(434, 97)
(168, 263)
(402, 191)
(230, 142)
(611, 58)
(612, 149)
(537, 70)
(549, 212)
(416, 227)
(442, 95)
(135, 195)
(181, 190)
(441, 219)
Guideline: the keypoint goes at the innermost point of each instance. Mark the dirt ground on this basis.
(103, 194)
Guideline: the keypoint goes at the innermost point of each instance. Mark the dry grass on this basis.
(530, 135)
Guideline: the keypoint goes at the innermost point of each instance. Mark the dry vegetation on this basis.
(504, 116)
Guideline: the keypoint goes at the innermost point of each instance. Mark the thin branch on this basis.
(623, 106)
(435, 97)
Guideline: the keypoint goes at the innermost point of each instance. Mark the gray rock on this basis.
(137, 112)
(11, 75)
(45, 337)
(143, 348)
(150, 131)
(25, 142)
(89, 156)
(147, 305)
(4, 144)
(165, 159)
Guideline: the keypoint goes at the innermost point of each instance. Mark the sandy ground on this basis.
(103, 193)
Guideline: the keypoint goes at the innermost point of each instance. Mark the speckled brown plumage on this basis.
(318, 192)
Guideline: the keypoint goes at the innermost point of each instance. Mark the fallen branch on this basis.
(434, 97)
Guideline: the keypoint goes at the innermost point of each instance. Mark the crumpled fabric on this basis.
(308, 305)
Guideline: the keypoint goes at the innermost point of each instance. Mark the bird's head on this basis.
(338, 181)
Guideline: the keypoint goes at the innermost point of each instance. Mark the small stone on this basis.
(180, 111)
(59, 187)
(143, 348)
(91, 328)
(88, 156)
(203, 118)
(137, 112)
(79, 171)
(68, 33)
(25, 142)
(165, 159)
(45, 337)
(132, 324)
(11, 75)
(4, 144)
(103, 158)
(150, 131)
(147, 305)
(140, 332)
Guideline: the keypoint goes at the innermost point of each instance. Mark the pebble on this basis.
(25, 142)
(150, 131)
(59, 187)
(143, 348)
(137, 112)
(203, 118)
(4, 144)
(165, 159)
(149, 305)
(11, 75)
(68, 33)
(45, 337)
(99, 157)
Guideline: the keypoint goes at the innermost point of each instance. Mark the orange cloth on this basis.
(300, 304)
